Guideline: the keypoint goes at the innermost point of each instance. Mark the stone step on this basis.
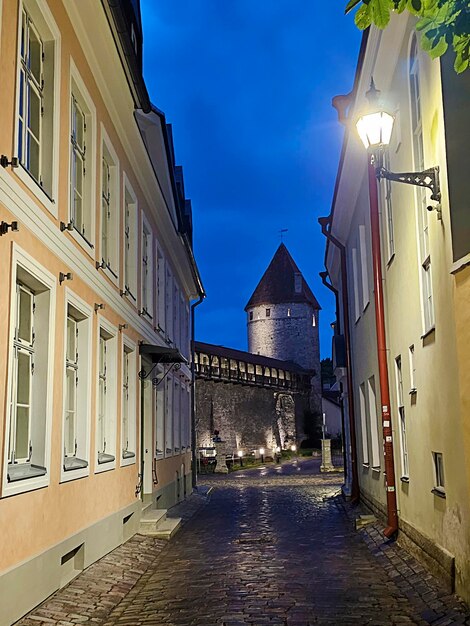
(167, 528)
(150, 521)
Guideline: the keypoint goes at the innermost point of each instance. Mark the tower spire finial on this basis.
(282, 231)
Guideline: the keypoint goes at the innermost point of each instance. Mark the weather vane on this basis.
(282, 231)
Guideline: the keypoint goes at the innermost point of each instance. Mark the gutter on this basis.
(325, 223)
(193, 393)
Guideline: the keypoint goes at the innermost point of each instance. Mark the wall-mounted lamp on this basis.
(4, 162)
(123, 326)
(375, 130)
(99, 307)
(65, 276)
(66, 226)
(4, 228)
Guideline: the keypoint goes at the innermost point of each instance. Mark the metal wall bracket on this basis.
(5, 227)
(5, 162)
(427, 178)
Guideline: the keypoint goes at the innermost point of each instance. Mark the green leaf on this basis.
(381, 12)
(416, 4)
(363, 17)
(439, 49)
(460, 64)
(351, 4)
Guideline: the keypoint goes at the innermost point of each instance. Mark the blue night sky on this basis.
(247, 86)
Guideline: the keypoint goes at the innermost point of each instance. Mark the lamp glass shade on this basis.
(375, 129)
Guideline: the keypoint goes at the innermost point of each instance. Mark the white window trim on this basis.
(169, 449)
(355, 276)
(148, 315)
(90, 160)
(128, 189)
(111, 272)
(132, 403)
(51, 204)
(161, 389)
(161, 291)
(86, 310)
(364, 429)
(364, 266)
(440, 489)
(373, 421)
(21, 258)
(111, 406)
(402, 419)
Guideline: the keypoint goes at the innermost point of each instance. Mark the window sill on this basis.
(460, 264)
(105, 458)
(366, 465)
(23, 486)
(439, 492)
(24, 471)
(35, 188)
(72, 463)
(428, 332)
(405, 479)
(390, 260)
(377, 469)
(127, 458)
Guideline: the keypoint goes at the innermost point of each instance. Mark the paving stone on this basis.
(275, 547)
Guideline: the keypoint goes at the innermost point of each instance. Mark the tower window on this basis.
(314, 321)
(298, 282)
(288, 312)
(251, 316)
(268, 312)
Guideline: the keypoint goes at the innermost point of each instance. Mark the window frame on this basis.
(146, 271)
(111, 395)
(112, 198)
(36, 274)
(84, 386)
(130, 230)
(129, 347)
(364, 428)
(439, 474)
(43, 21)
(401, 415)
(78, 89)
(373, 423)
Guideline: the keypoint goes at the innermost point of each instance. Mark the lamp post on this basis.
(261, 453)
(375, 130)
(240, 456)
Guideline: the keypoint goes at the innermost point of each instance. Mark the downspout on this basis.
(323, 276)
(324, 223)
(193, 394)
(392, 513)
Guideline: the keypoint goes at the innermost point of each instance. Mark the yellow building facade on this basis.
(425, 300)
(98, 275)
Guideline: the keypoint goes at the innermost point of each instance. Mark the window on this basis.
(169, 305)
(420, 193)
(298, 282)
(314, 320)
(363, 409)
(130, 242)
(387, 209)
(37, 121)
(176, 316)
(439, 473)
(177, 417)
(374, 435)
(169, 417)
(27, 437)
(147, 271)
(82, 163)
(106, 414)
(160, 416)
(109, 209)
(128, 412)
(185, 417)
(355, 277)
(364, 266)
(411, 353)
(401, 418)
(161, 290)
(289, 311)
(251, 316)
(268, 312)
(76, 389)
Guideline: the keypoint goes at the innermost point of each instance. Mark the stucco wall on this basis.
(247, 417)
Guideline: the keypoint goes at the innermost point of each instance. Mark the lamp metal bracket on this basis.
(143, 374)
(427, 178)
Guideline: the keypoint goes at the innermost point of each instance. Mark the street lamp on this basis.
(240, 456)
(375, 130)
(261, 453)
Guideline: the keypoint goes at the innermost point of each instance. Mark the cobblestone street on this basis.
(273, 546)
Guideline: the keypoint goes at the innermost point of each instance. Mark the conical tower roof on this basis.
(279, 282)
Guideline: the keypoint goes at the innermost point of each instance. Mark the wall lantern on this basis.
(375, 130)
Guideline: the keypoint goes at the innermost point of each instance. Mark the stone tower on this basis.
(283, 318)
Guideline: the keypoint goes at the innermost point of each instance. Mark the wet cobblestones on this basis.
(274, 547)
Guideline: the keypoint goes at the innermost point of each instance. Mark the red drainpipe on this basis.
(324, 223)
(392, 513)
